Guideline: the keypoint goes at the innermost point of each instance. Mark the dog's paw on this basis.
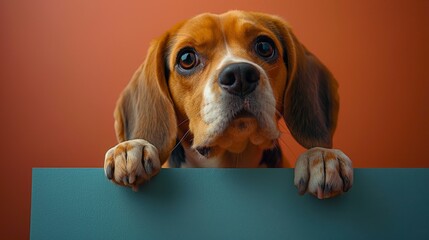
(323, 172)
(132, 163)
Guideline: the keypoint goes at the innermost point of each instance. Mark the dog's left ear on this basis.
(310, 101)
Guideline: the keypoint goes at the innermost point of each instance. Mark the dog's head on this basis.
(222, 82)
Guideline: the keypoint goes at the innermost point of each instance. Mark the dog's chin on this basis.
(243, 128)
(241, 132)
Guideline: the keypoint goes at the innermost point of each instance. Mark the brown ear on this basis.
(310, 100)
(145, 109)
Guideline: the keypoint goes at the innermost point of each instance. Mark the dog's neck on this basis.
(183, 156)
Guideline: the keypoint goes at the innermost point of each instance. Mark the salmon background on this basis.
(64, 63)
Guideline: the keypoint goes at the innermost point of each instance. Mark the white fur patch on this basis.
(218, 109)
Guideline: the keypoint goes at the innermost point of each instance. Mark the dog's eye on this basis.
(265, 48)
(187, 59)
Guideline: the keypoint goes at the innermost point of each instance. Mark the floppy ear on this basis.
(145, 109)
(311, 102)
(310, 99)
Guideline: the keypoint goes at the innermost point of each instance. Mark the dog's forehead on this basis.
(199, 30)
(212, 28)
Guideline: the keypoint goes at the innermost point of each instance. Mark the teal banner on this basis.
(227, 204)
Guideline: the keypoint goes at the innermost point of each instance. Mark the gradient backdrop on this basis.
(64, 63)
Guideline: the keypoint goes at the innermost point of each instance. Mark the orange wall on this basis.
(63, 64)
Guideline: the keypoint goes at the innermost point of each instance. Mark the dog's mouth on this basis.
(241, 128)
(243, 113)
(242, 122)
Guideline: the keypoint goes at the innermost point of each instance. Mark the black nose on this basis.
(239, 78)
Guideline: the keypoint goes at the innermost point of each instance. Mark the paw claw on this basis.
(109, 172)
(132, 179)
(327, 189)
(148, 166)
(125, 180)
(302, 186)
(319, 193)
(346, 184)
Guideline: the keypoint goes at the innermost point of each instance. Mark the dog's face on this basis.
(220, 83)
(227, 77)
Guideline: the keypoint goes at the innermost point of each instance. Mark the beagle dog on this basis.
(211, 93)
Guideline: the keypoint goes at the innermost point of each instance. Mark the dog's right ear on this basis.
(145, 109)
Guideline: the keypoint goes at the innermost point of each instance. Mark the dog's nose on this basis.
(239, 78)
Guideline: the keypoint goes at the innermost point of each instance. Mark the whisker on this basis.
(180, 141)
(186, 120)
(278, 113)
(289, 148)
(208, 103)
